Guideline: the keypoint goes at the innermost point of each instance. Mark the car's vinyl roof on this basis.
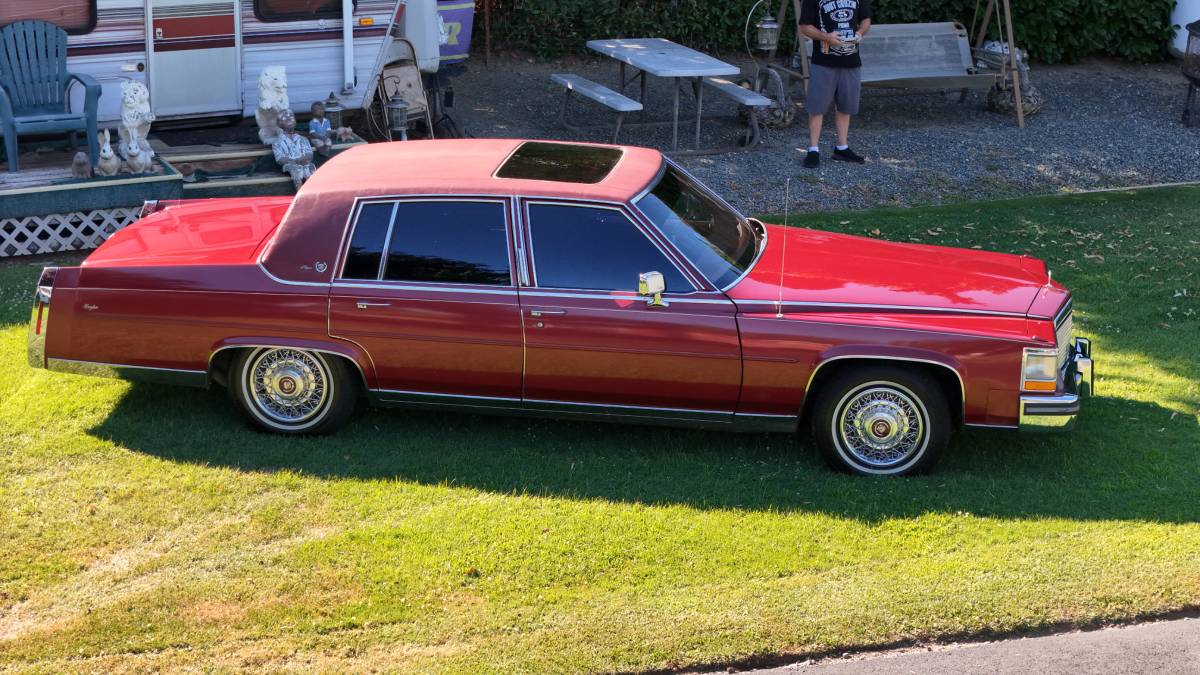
(314, 225)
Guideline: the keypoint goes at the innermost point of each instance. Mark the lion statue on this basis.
(135, 119)
(272, 98)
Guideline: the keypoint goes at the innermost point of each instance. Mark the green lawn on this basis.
(148, 527)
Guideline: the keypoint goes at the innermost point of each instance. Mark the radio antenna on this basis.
(787, 198)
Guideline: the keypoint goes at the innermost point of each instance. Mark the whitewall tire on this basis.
(292, 391)
(881, 420)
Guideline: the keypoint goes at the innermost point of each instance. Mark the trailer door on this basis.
(194, 50)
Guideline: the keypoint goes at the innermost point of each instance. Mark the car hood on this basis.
(838, 269)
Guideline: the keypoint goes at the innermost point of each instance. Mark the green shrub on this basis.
(1052, 31)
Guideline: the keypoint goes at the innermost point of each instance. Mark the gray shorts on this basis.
(828, 85)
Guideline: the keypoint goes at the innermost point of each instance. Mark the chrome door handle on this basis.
(546, 312)
(363, 304)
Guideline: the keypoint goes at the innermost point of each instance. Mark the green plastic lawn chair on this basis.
(35, 85)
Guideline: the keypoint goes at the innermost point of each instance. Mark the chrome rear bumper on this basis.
(1058, 412)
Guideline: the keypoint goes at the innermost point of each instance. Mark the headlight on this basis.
(1039, 370)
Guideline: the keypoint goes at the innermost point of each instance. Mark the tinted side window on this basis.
(449, 242)
(594, 249)
(366, 246)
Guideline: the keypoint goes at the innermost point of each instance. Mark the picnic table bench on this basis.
(662, 58)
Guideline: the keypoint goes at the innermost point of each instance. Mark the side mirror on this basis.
(651, 287)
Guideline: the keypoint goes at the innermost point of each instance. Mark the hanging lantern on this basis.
(397, 110)
(333, 111)
(767, 31)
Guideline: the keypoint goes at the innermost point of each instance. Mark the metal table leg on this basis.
(622, 64)
(675, 116)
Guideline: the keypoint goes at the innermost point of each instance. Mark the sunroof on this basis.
(562, 162)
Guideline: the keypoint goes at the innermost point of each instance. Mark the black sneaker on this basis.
(812, 160)
(847, 155)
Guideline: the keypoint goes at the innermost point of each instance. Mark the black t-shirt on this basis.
(840, 17)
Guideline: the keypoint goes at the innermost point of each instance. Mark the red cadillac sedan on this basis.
(568, 280)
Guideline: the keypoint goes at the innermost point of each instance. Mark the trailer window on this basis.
(297, 10)
(74, 16)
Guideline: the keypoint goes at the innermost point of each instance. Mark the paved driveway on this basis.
(1167, 647)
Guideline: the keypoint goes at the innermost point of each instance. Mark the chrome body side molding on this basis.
(186, 378)
(599, 412)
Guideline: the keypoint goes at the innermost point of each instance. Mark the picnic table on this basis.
(662, 58)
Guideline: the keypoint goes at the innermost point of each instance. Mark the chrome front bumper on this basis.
(1058, 412)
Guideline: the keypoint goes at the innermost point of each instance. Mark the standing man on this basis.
(836, 27)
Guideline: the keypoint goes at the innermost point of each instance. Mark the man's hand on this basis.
(833, 40)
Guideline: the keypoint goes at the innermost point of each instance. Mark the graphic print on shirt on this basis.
(841, 18)
(841, 14)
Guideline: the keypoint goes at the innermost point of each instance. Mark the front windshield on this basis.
(719, 242)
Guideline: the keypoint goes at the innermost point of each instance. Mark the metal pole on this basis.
(698, 87)
(1016, 74)
(675, 117)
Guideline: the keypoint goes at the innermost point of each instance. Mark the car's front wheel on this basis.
(881, 420)
(292, 391)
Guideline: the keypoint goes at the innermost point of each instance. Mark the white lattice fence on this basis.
(28, 235)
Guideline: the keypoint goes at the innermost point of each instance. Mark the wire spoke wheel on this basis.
(288, 387)
(881, 425)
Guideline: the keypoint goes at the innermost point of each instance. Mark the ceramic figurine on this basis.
(81, 166)
(135, 119)
(108, 164)
(319, 133)
(293, 151)
(137, 160)
(344, 134)
(272, 100)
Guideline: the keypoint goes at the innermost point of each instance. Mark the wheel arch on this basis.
(945, 372)
(222, 353)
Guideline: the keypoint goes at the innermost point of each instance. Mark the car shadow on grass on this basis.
(1125, 460)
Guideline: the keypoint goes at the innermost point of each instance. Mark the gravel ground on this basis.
(1104, 124)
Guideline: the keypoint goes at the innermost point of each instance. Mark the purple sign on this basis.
(458, 15)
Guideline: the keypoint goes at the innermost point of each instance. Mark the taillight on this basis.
(155, 205)
(45, 288)
(46, 284)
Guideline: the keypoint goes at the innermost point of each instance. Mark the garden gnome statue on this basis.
(293, 151)
(319, 132)
(272, 100)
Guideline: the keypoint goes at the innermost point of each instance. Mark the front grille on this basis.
(1063, 333)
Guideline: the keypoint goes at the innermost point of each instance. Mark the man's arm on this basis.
(817, 35)
(863, 27)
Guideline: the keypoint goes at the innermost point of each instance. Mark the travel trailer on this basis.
(203, 58)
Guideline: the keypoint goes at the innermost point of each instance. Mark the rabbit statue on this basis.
(109, 164)
(137, 159)
(81, 166)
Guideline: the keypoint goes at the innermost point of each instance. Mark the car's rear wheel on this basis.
(292, 391)
(881, 420)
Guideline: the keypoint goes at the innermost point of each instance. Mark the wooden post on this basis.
(801, 47)
(780, 16)
(1016, 74)
(487, 34)
(985, 25)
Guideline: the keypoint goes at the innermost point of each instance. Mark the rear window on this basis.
(561, 162)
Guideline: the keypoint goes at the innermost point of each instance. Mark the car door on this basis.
(426, 288)
(593, 344)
